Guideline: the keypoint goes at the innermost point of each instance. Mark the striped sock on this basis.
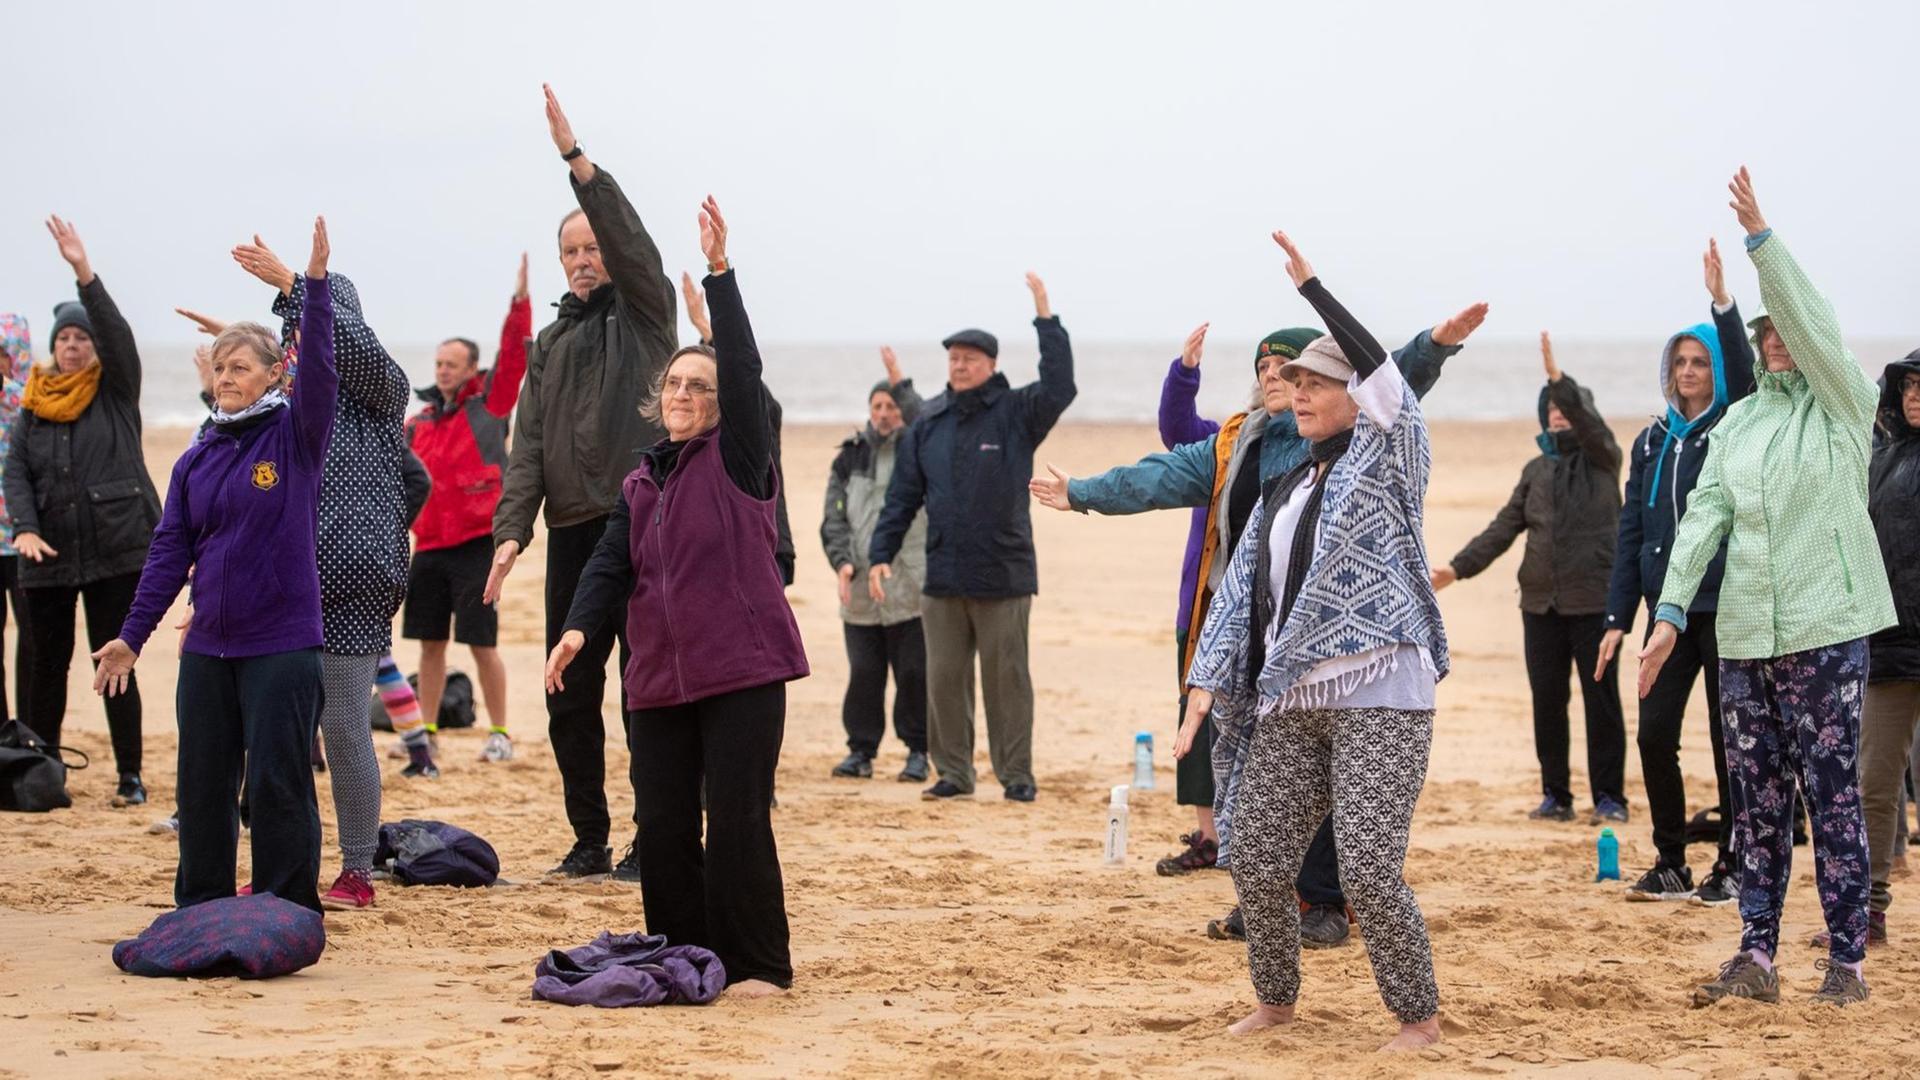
(397, 697)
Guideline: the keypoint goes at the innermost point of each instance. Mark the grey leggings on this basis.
(351, 763)
(1368, 766)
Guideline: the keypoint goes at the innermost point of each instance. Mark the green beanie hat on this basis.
(1288, 343)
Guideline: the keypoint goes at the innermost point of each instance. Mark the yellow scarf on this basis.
(60, 399)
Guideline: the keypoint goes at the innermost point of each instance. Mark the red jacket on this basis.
(464, 443)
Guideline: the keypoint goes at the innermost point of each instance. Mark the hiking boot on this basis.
(1663, 882)
(1551, 809)
(1608, 810)
(628, 868)
(915, 769)
(131, 791)
(944, 790)
(1739, 977)
(1841, 986)
(1720, 888)
(351, 891)
(1229, 928)
(1201, 854)
(1021, 792)
(586, 862)
(498, 747)
(855, 766)
(1323, 926)
(1876, 932)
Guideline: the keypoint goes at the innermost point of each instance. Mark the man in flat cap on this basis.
(967, 459)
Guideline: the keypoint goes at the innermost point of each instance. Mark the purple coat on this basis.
(243, 513)
(1181, 423)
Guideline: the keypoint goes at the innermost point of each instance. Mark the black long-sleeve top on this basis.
(1363, 351)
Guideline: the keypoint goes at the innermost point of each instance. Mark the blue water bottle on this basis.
(1609, 857)
(1143, 761)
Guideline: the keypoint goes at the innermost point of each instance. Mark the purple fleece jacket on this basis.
(1181, 423)
(243, 512)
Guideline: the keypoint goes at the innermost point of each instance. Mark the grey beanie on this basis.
(70, 313)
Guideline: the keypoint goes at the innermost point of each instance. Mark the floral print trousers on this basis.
(1796, 719)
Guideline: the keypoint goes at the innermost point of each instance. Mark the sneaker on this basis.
(1663, 882)
(915, 769)
(855, 766)
(1739, 977)
(1608, 810)
(421, 770)
(166, 826)
(586, 862)
(1230, 928)
(1876, 933)
(1551, 809)
(628, 868)
(244, 890)
(1201, 854)
(1021, 792)
(944, 790)
(1841, 986)
(498, 747)
(131, 791)
(351, 891)
(1323, 926)
(1719, 889)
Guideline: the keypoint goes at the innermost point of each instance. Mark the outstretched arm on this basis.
(631, 257)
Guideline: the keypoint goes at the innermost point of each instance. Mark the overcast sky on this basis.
(891, 170)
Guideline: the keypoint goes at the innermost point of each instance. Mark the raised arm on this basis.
(510, 365)
(746, 430)
(631, 257)
(1360, 347)
(1421, 359)
(1050, 396)
(1736, 352)
(1589, 430)
(368, 374)
(1180, 419)
(316, 398)
(112, 337)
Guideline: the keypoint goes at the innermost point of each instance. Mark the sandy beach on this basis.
(980, 938)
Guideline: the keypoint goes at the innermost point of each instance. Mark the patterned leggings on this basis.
(1369, 766)
(351, 763)
(1797, 718)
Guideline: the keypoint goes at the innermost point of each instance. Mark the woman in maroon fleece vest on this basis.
(690, 550)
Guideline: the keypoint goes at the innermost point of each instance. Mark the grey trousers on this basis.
(957, 630)
(1888, 719)
(351, 763)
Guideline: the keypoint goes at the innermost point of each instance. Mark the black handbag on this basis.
(33, 775)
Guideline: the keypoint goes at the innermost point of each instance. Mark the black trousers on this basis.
(1555, 642)
(255, 717)
(574, 725)
(726, 895)
(1319, 880)
(1193, 774)
(1662, 713)
(50, 610)
(871, 652)
(22, 640)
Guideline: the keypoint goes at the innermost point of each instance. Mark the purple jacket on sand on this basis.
(1180, 424)
(618, 970)
(243, 512)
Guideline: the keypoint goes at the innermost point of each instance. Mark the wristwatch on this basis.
(573, 153)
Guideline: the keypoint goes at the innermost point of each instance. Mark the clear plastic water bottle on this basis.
(1609, 846)
(1116, 846)
(1143, 761)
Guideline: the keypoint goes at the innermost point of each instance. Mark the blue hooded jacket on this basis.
(1663, 466)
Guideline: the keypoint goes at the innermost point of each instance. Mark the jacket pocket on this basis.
(1846, 573)
(122, 520)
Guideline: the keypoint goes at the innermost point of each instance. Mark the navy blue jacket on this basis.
(1657, 490)
(967, 459)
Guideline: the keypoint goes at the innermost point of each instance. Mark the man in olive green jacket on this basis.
(1785, 482)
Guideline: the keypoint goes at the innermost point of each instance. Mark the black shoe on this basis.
(944, 790)
(586, 862)
(1551, 809)
(131, 791)
(628, 868)
(1608, 809)
(421, 770)
(1720, 888)
(856, 766)
(915, 770)
(1663, 882)
(1021, 792)
(1323, 926)
(1230, 928)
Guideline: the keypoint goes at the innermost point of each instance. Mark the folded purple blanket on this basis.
(618, 970)
(253, 937)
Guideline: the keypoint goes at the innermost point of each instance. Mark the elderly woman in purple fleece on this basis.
(242, 514)
(689, 549)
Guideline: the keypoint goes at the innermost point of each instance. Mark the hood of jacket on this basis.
(1705, 334)
(1586, 400)
(345, 298)
(1893, 418)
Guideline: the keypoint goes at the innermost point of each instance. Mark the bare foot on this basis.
(1263, 1016)
(756, 988)
(1414, 1037)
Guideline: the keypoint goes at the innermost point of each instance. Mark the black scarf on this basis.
(1322, 453)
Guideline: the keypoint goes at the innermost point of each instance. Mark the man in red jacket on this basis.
(461, 436)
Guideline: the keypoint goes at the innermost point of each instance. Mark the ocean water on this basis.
(1118, 382)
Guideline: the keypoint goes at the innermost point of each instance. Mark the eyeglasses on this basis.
(693, 387)
(1910, 387)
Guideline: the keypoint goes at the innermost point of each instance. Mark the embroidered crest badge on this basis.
(265, 475)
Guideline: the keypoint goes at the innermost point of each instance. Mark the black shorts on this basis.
(444, 587)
